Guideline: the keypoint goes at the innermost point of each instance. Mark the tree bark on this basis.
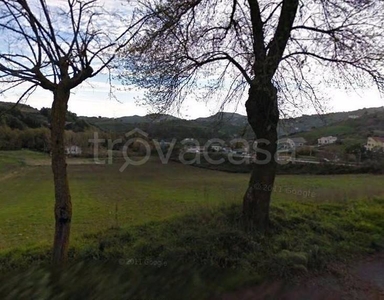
(63, 205)
(263, 116)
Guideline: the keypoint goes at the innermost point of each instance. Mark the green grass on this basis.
(335, 130)
(202, 254)
(12, 159)
(103, 197)
(184, 219)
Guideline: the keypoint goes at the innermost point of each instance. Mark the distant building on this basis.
(291, 143)
(353, 116)
(375, 143)
(214, 145)
(194, 149)
(216, 148)
(326, 140)
(73, 150)
(299, 141)
(285, 144)
(240, 151)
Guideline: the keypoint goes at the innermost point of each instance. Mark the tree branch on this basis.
(279, 42)
(257, 30)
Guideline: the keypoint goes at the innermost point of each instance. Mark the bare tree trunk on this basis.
(63, 205)
(263, 116)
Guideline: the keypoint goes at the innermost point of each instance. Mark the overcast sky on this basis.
(93, 98)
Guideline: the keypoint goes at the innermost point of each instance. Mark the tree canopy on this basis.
(206, 47)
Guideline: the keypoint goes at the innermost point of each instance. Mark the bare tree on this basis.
(57, 46)
(280, 52)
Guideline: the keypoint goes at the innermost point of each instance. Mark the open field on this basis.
(177, 230)
(103, 197)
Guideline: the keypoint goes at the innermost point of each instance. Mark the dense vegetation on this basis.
(25, 127)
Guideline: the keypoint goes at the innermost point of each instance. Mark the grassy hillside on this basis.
(312, 122)
(351, 130)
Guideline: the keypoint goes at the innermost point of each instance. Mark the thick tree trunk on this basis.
(263, 116)
(63, 205)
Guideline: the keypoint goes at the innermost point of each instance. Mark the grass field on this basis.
(103, 197)
(173, 231)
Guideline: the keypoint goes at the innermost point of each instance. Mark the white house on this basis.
(326, 140)
(73, 150)
(375, 143)
(291, 143)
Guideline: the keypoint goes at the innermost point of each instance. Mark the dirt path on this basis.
(363, 281)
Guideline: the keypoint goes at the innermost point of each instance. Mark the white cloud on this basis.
(92, 98)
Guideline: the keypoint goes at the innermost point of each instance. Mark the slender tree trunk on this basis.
(63, 205)
(263, 116)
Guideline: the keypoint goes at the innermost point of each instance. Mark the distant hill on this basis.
(21, 117)
(369, 123)
(229, 125)
(311, 122)
(354, 124)
(24, 116)
(221, 125)
(225, 117)
(124, 124)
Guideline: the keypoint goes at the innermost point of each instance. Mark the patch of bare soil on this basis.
(15, 173)
(8, 176)
(70, 161)
(361, 281)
